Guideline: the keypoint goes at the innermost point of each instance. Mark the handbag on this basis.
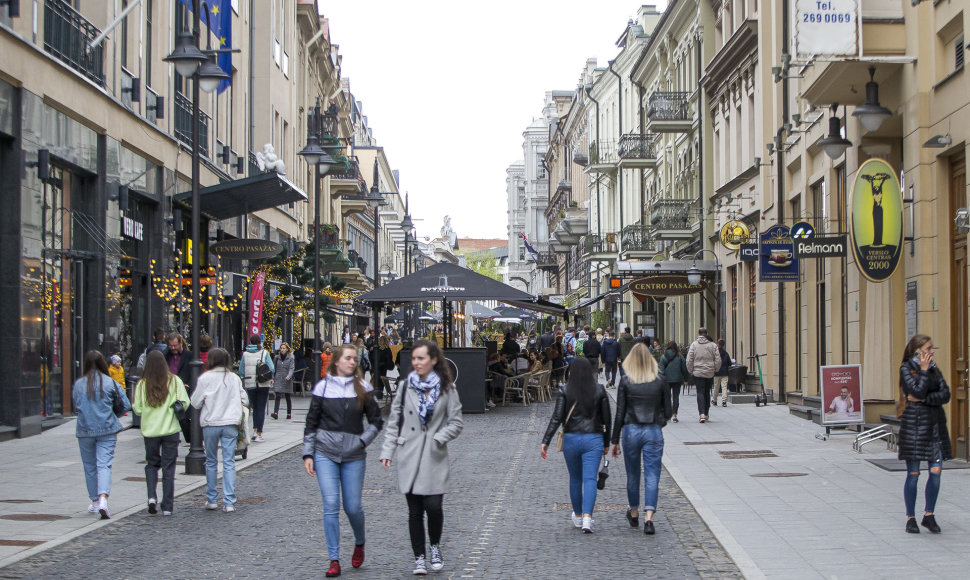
(263, 374)
(603, 474)
(179, 409)
(562, 430)
(117, 403)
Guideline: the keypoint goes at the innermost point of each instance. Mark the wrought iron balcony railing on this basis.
(352, 255)
(637, 238)
(670, 214)
(602, 152)
(183, 123)
(564, 185)
(67, 35)
(350, 171)
(668, 106)
(546, 261)
(636, 146)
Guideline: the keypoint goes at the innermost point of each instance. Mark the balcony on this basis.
(669, 112)
(637, 241)
(345, 179)
(329, 236)
(546, 261)
(638, 151)
(670, 219)
(564, 186)
(355, 203)
(602, 157)
(183, 124)
(598, 248)
(67, 35)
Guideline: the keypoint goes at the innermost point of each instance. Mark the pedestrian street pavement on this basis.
(507, 516)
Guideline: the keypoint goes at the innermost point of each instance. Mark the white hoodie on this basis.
(220, 395)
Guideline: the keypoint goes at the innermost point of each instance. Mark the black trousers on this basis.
(289, 403)
(610, 371)
(674, 395)
(418, 505)
(161, 453)
(703, 394)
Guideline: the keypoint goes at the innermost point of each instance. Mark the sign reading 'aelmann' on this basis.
(245, 249)
(664, 285)
(876, 220)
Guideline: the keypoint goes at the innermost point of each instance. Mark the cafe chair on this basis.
(516, 385)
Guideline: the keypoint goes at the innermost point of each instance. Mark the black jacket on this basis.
(725, 363)
(580, 421)
(185, 366)
(546, 339)
(923, 434)
(386, 359)
(641, 404)
(511, 348)
(335, 427)
(592, 349)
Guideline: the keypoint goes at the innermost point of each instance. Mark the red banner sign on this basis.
(256, 305)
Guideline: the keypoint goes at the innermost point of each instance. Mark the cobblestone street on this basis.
(507, 516)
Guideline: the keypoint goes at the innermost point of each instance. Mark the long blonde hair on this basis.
(639, 365)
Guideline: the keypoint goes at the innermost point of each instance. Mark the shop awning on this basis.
(595, 299)
(242, 196)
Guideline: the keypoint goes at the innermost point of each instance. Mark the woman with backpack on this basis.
(256, 371)
(283, 380)
(99, 401)
(155, 394)
(674, 371)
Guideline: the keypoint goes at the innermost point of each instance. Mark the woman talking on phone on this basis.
(923, 434)
(425, 415)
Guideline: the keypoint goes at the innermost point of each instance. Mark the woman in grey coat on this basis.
(283, 380)
(424, 417)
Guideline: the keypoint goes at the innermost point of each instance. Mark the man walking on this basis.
(721, 376)
(703, 360)
(610, 355)
(546, 340)
(626, 344)
(592, 351)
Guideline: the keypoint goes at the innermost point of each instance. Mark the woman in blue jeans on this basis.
(333, 448)
(97, 428)
(221, 397)
(642, 409)
(923, 435)
(584, 412)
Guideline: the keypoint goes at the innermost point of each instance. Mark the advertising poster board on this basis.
(841, 390)
(778, 261)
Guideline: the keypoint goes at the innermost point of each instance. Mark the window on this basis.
(124, 35)
(149, 8)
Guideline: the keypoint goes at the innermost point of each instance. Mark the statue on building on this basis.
(268, 161)
(447, 234)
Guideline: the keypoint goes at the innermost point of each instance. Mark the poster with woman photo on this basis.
(841, 390)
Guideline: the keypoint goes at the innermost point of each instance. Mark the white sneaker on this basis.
(103, 508)
(587, 525)
(93, 508)
(258, 439)
(165, 513)
(420, 569)
(228, 509)
(436, 562)
(577, 520)
(211, 506)
(490, 405)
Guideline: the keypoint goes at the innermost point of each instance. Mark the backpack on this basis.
(579, 347)
(263, 374)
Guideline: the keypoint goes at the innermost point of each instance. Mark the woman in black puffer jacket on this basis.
(923, 434)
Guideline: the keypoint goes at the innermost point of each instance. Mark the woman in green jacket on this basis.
(155, 394)
(674, 371)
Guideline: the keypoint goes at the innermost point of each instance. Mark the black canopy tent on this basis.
(449, 283)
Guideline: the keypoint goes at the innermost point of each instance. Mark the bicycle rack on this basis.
(874, 434)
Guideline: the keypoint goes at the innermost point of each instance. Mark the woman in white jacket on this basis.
(221, 397)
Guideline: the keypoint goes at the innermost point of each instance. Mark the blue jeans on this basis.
(912, 480)
(334, 477)
(212, 437)
(97, 455)
(582, 452)
(644, 442)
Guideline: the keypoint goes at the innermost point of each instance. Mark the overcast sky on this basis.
(449, 86)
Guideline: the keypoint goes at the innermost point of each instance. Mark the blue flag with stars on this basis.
(220, 25)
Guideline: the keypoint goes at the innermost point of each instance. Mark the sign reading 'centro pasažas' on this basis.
(245, 249)
(664, 285)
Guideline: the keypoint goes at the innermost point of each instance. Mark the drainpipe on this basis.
(252, 84)
(589, 95)
(781, 201)
(642, 126)
(700, 162)
(619, 120)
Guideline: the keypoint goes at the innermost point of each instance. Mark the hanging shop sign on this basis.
(734, 234)
(826, 27)
(660, 287)
(821, 247)
(876, 220)
(749, 252)
(132, 229)
(256, 305)
(802, 231)
(246, 249)
(778, 261)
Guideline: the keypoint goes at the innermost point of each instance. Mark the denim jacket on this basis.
(95, 417)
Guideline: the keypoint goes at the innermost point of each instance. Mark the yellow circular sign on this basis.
(733, 234)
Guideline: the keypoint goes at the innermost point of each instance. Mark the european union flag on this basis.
(220, 25)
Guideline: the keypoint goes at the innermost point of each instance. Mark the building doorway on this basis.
(958, 325)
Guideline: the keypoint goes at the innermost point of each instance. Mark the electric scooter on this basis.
(761, 399)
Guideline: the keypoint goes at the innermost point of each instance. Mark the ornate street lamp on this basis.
(834, 144)
(316, 157)
(872, 114)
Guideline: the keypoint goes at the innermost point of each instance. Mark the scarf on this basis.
(427, 391)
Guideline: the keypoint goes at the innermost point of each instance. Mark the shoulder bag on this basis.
(562, 429)
(263, 374)
(117, 403)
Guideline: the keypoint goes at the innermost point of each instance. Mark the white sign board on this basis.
(826, 27)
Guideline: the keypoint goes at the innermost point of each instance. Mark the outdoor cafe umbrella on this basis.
(477, 310)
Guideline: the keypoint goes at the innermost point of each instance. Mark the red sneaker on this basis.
(334, 570)
(358, 557)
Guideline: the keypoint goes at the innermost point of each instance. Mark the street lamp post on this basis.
(694, 277)
(206, 75)
(374, 201)
(317, 158)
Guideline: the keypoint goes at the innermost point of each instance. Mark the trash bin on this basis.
(736, 375)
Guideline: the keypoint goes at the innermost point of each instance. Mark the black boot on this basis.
(911, 527)
(929, 522)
